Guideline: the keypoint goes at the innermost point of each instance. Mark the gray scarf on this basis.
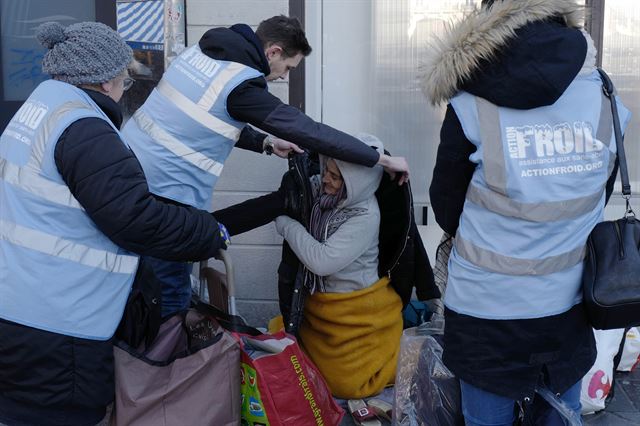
(323, 210)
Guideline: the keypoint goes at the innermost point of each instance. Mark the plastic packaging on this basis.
(426, 392)
(597, 383)
(630, 358)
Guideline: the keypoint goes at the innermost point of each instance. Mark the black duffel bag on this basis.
(611, 279)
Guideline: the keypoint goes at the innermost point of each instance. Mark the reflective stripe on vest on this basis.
(215, 88)
(37, 150)
(534, 212)
(30, 181)
(493, 156)
(146, 124)
(65, 249)
(197, 113)
(183, 133)
(516, 266)
(72, 279)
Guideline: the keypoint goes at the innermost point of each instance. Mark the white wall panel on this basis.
(255, 269)
(229, 12)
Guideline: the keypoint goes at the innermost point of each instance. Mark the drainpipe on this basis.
(174, 30)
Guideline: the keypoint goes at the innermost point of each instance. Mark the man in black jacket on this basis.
(58, 286)
(203, 105)
(278, 46)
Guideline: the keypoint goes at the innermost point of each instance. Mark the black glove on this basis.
(296, 187)
(292, 196)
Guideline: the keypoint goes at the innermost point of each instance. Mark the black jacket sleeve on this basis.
(252, 103)
(452, 173)
(107, 180)
(252, 213)
(251, 139)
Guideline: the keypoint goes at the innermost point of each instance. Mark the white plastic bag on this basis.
(630, 358)
(597, 383)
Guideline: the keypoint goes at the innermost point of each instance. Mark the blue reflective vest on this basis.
(536, 193)
(183, 134)
(58, 272)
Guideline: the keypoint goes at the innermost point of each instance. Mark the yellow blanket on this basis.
(354, 338)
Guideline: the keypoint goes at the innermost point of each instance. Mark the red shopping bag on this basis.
(281, 386)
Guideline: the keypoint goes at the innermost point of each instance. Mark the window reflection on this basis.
(402, 33)
(21, 52)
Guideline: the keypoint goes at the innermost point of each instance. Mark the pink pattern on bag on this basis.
(597, 384)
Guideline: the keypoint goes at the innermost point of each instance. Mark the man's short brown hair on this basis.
(285, 32)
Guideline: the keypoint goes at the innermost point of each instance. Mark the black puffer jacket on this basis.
(52, 379)
(252, 103)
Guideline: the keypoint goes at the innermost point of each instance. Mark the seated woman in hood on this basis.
(352, 318)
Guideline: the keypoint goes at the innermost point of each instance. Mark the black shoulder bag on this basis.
(611, 279)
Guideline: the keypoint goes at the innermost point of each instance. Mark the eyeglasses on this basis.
(127, 83)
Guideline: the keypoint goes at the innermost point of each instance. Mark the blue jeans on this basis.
(176, 284)
(482, 408)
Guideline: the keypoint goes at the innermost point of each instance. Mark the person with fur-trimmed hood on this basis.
(525, 165)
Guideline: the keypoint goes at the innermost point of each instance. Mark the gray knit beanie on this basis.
(83, 53)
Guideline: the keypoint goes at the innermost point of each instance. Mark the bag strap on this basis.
(610, 92)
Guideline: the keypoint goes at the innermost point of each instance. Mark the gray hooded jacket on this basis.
(348, 257)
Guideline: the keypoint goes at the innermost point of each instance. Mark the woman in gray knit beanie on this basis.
(86, 53)
(76, 216)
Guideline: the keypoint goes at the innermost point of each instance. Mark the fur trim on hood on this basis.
(479, 36)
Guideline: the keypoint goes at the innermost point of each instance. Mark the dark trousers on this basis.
(482, 408)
